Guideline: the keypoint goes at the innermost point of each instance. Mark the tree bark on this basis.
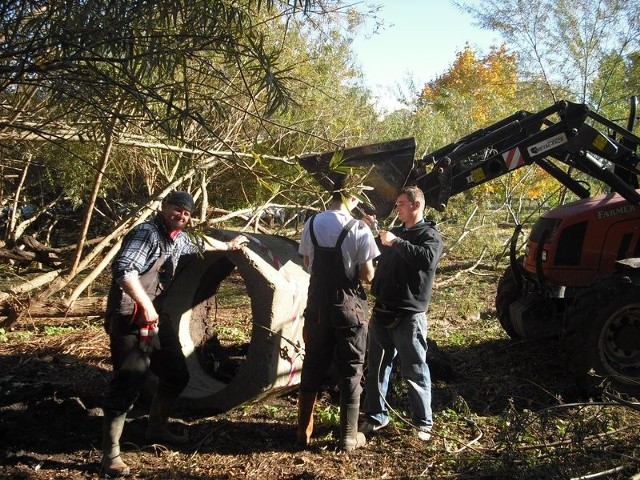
(81, 307)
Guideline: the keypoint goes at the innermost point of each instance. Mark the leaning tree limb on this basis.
(97, 182)
(88, 280)
(13, 219)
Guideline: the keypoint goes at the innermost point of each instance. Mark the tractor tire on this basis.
(276, 284)
(508, 292)
(602, 336)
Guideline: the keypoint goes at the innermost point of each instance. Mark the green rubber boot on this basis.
(112, 463)
(350, 438)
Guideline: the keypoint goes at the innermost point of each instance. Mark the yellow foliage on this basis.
(542, 186)
(486, 86)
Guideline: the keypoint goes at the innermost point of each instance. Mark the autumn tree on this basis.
(474, 93)
(478, 89)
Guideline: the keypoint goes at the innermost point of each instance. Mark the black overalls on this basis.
(335, 325)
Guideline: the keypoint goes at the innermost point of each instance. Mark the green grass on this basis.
(233, 335)
(15, 335)
(53, 330)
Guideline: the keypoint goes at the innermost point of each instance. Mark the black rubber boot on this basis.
(306, 404)
(350, 438)
(158, 426)
(112, 463)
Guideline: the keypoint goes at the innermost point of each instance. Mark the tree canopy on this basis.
(107, 106)
(563, 46)
(191, 84)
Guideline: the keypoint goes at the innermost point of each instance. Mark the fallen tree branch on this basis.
(27, 286)
(466, 270)
(604, 473)
(81, 307)
(17, 255)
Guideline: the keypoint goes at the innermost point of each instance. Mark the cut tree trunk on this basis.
(82, 307)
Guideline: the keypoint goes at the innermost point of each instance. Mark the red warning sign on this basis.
(513, 158)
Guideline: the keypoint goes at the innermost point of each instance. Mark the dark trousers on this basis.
(347, 346)
(131, 364)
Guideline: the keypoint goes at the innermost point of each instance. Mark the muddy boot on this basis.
(112, 463)
(158, 427)
(350, 438)
(306, 404)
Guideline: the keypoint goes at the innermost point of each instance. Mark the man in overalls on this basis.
(338, 252)
(142, 271)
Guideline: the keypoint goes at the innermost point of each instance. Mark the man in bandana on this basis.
(141, 336)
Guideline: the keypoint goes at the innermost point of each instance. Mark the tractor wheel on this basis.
(602, 335)
(508, 292)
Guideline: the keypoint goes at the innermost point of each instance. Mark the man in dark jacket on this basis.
(402, 287)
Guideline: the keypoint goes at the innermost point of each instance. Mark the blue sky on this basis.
(420, 41)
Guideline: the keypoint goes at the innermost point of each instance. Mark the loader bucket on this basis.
(388, 165)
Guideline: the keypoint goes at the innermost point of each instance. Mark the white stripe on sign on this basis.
(513, 158)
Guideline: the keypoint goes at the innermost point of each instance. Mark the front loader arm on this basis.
(565, 133)
(534, 138)
(488, 154)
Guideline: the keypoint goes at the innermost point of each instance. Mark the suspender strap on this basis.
(342, 236)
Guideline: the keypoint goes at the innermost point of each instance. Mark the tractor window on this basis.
(570, 244)
(546, 227)
(624, 246)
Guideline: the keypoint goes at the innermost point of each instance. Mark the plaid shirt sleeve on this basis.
(140, 250)
(187, 244)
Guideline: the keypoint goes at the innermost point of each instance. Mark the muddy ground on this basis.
(485, 390)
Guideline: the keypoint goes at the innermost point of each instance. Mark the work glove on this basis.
(148, 335)
(147, 332)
